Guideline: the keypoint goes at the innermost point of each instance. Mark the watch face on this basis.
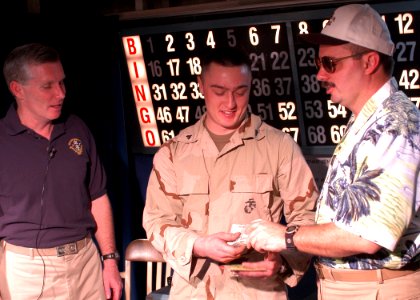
(291, 229)
(114, 255)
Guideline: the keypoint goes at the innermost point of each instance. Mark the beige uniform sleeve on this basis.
(299, 193)
(162, 216)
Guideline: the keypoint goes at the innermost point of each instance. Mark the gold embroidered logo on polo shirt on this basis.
(76, 145)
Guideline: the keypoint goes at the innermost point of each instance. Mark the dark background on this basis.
(89, 47)
(86, 33)
(91, 55)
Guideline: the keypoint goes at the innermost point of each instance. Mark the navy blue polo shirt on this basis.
(46, 187)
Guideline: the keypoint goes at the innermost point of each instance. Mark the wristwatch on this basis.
(114, 255)
(288, 237)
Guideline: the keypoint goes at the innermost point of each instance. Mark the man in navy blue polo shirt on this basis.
(52, 191)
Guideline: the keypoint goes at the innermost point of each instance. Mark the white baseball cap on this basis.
(358, 24)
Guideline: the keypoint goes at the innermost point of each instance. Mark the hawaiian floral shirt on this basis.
(372, 187)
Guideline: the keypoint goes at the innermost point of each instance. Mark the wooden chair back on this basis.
(157, 272)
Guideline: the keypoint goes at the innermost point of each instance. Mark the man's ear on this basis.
(200, 83)
(372, 61)
(15, 88)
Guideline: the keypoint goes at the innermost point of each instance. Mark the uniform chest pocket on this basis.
(192, 184)
(258, 184)
(194, 194)
(254, 192)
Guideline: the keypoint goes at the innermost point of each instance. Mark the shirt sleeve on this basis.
(97, 179)
(299, 193)
(162, 216)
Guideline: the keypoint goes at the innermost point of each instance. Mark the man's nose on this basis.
(60, 91)
(231, 99)
(322, 75)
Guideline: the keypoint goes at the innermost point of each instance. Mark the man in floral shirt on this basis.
(368, 223)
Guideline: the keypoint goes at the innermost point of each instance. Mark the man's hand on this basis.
(266, 236)
(215, 247)
(268, 267)
(112, 280)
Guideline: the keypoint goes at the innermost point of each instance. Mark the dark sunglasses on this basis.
(329, 63)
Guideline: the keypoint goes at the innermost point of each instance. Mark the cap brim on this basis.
(321, 39)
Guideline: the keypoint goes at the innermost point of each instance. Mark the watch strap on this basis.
(114, 255)
(289, 235)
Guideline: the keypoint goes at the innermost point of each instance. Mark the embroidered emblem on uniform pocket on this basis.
(250, 205)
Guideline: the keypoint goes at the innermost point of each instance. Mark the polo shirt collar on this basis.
(15, 127)
(12, 122)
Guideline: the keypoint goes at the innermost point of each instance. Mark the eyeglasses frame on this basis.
(333, 61)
